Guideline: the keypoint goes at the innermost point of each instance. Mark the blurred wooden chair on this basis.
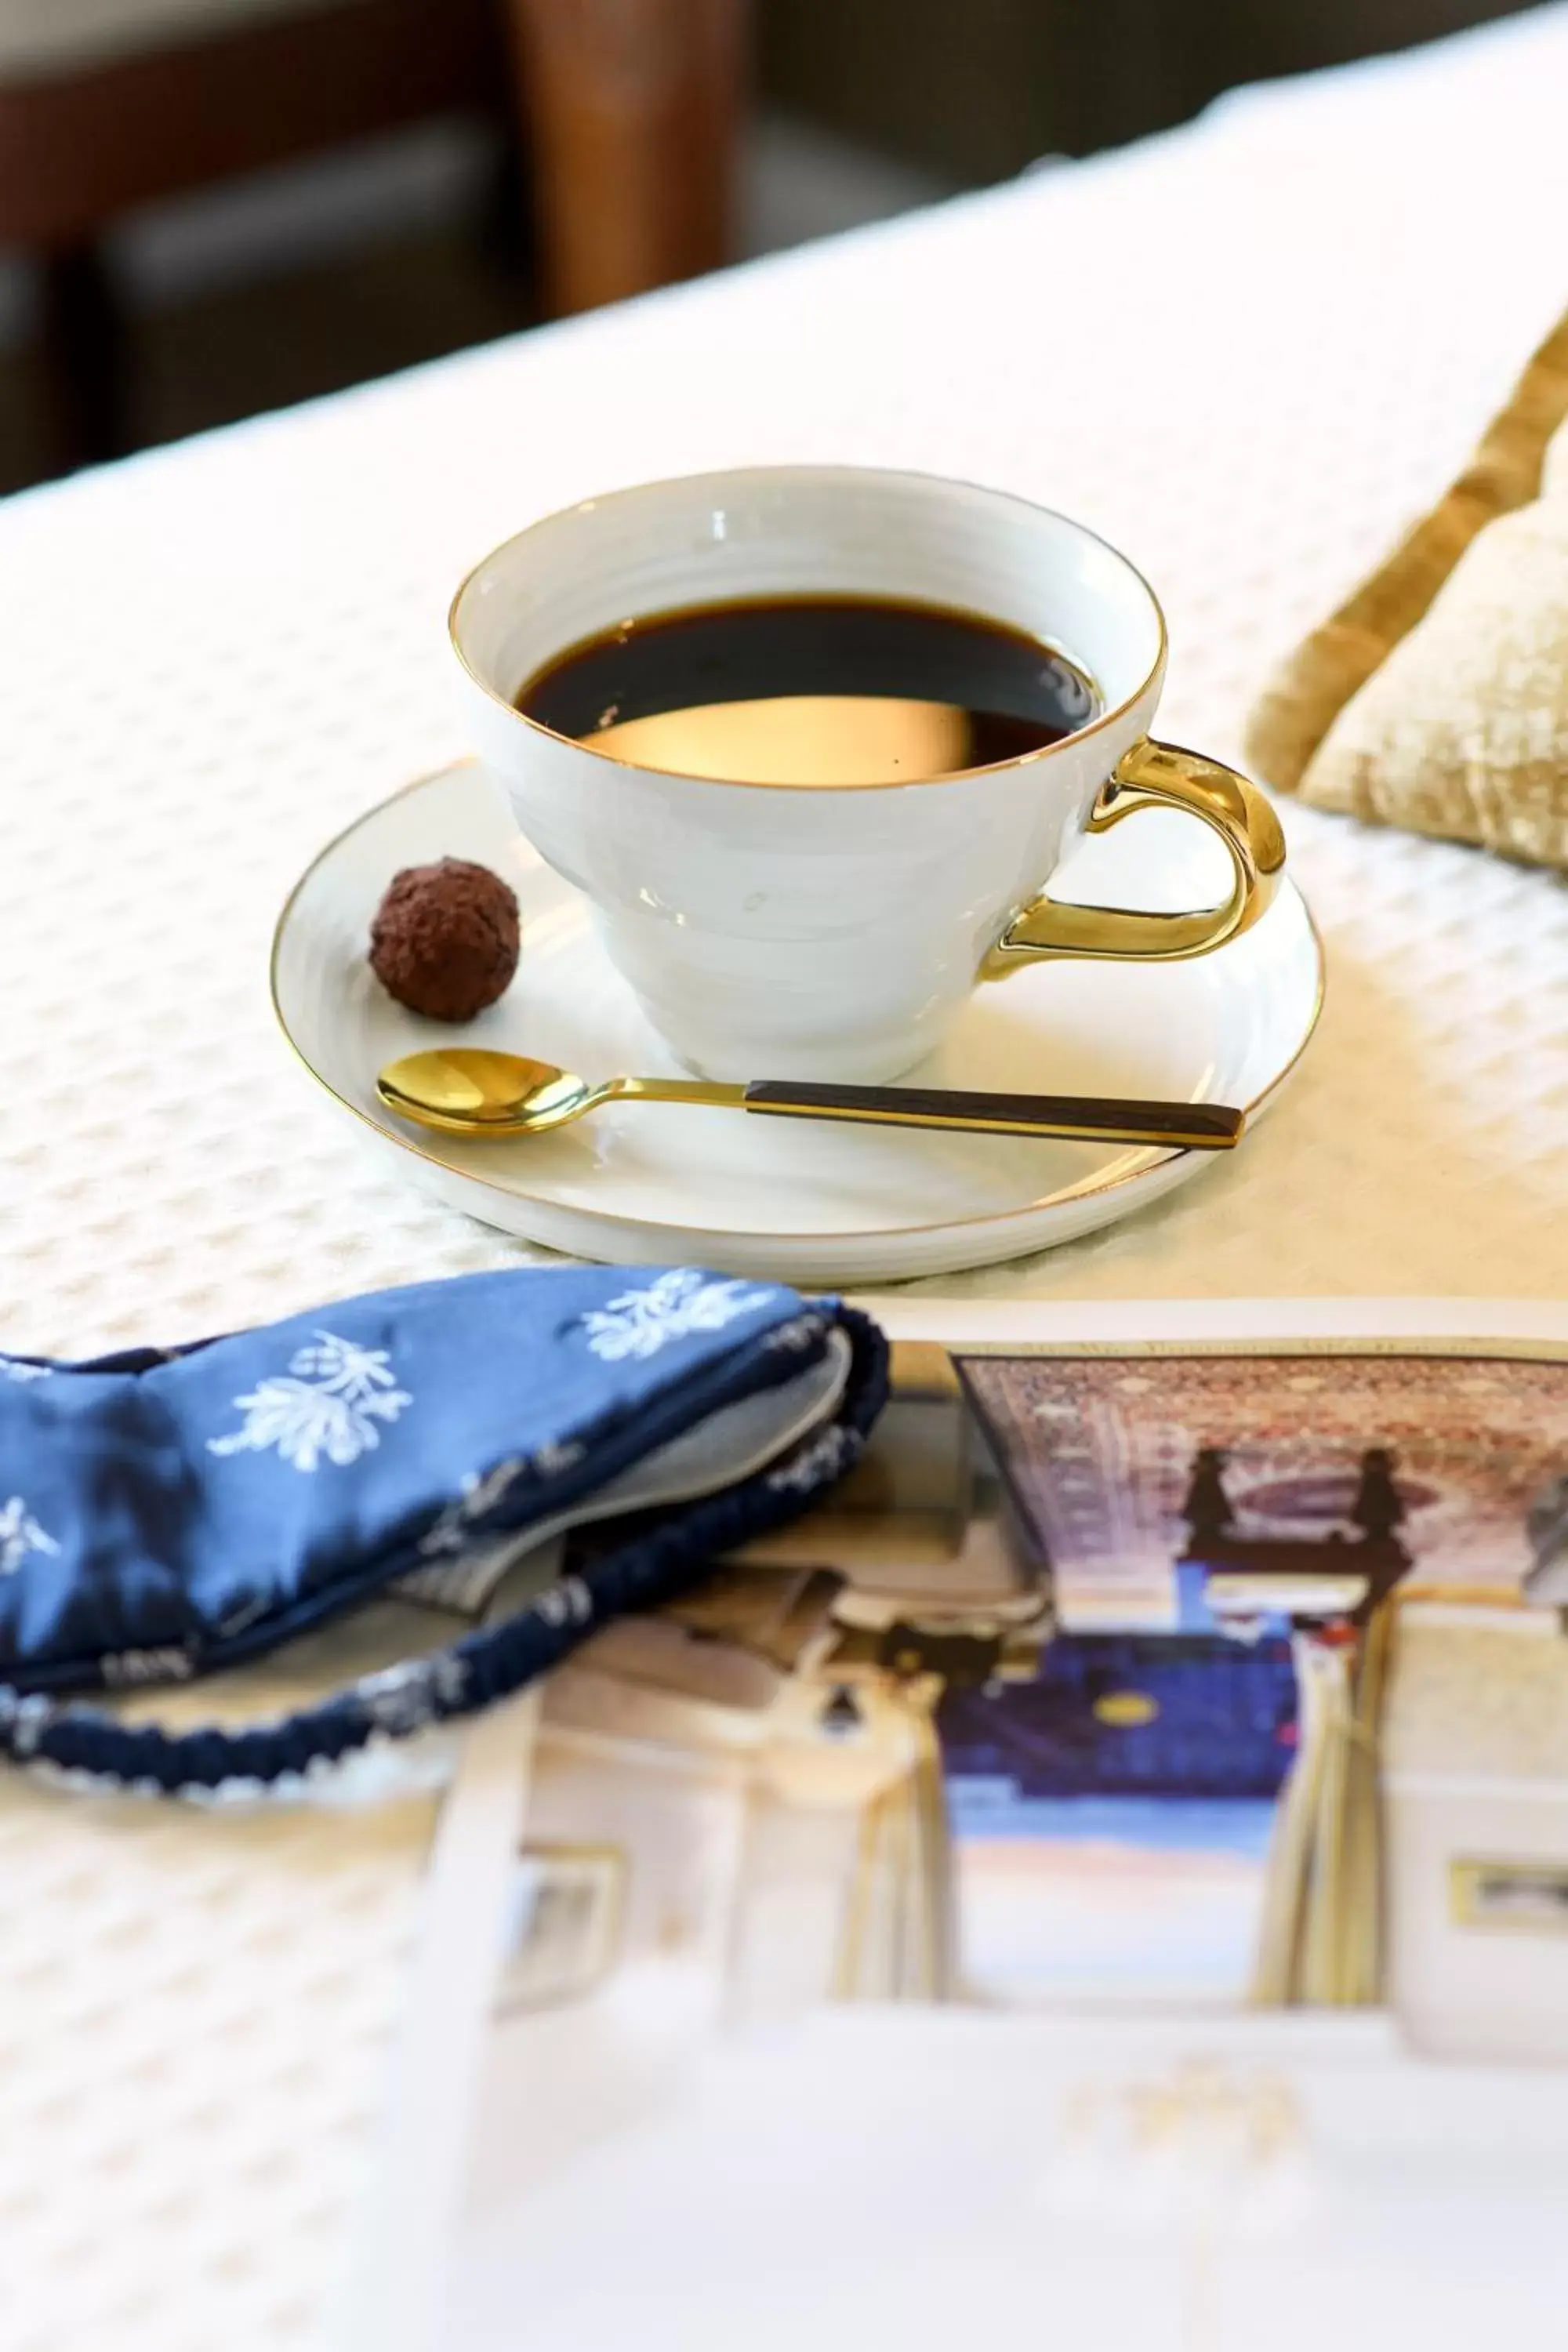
(626, 112)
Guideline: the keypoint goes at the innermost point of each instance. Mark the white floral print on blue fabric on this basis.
(453, 1527)
(329, 1403)
(452, 1530)
(793, 1338)
(556, 1456)
(403, 1699)
(823, 1456)
(20, 1533)
(640, 1322)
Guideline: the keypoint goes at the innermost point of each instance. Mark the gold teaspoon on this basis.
(473, 1090)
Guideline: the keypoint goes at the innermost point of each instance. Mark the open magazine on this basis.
(1131, 1815)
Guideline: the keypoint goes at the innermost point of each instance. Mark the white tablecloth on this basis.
(1247, 352)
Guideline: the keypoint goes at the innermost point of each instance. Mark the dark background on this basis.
(237, 289)
(978, 87)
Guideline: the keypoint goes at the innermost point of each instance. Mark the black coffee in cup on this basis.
(828, 691)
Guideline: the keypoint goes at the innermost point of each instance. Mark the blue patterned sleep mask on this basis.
(163, 1515)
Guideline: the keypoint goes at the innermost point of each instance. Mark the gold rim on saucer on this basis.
(1133, 1163)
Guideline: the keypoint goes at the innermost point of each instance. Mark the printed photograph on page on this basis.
(1116, 1683)
(1070, 1693)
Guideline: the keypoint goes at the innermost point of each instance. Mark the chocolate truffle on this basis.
(445, 938)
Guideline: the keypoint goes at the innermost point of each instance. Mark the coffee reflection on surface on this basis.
(812, 690)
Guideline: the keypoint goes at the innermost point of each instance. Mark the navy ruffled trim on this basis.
(664, 1559)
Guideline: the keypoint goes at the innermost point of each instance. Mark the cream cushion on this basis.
(1319, 677)
(50, 37)
(1463, 729)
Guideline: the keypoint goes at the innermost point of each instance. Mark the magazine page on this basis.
(1131, 1812)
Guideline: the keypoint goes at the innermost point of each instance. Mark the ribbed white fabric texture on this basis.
(1247, 352)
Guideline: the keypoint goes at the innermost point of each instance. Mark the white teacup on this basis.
(772, 930)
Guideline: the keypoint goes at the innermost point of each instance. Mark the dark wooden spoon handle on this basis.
(1190, 1126)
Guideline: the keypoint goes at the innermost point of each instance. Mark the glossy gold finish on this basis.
(477, 1092)
(1126, 1710)
(1117, 1172)
(1160, 775)
(472, 1090)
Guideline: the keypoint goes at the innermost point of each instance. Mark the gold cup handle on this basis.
(1159, 775)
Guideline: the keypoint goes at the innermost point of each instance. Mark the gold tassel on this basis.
(897, 1941)
(1321, 1944)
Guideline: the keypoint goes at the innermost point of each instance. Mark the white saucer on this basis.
(807, 1202)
